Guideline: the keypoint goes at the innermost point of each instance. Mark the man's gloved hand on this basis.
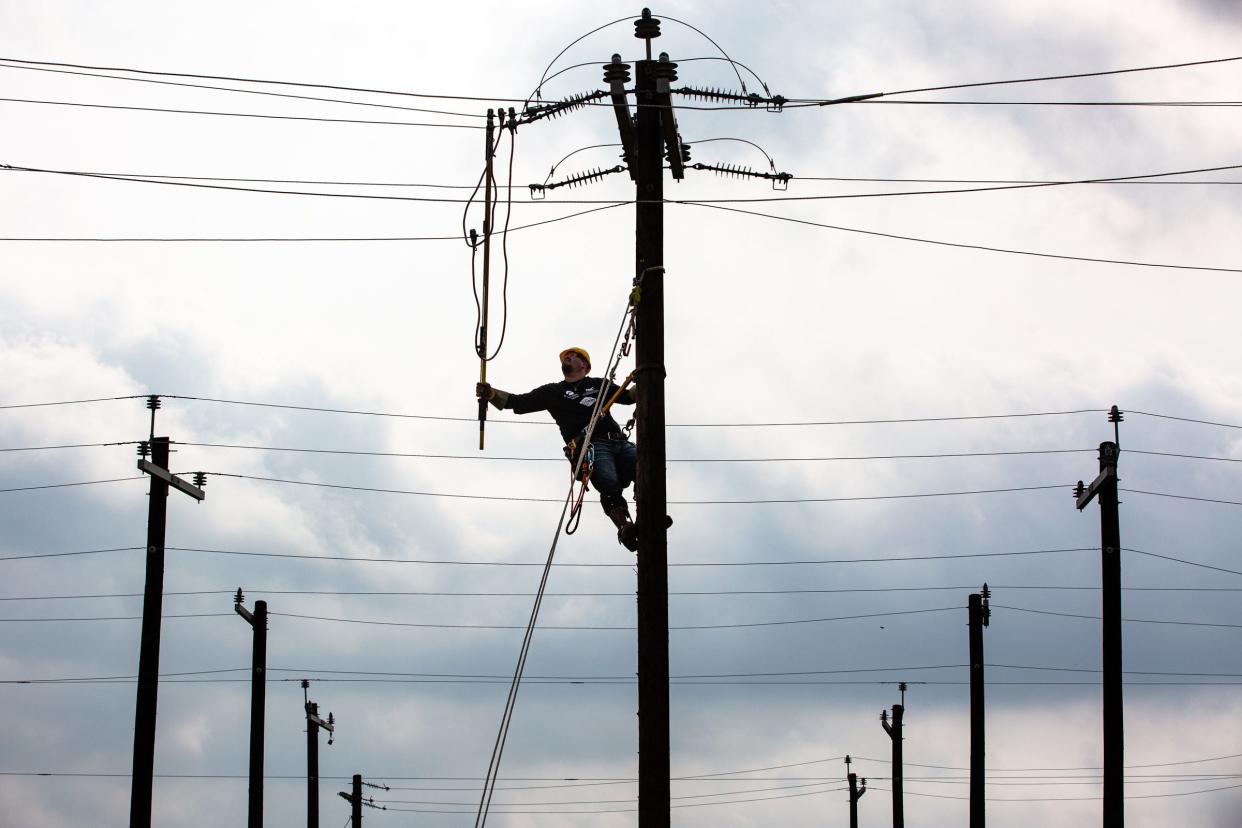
(499, 399)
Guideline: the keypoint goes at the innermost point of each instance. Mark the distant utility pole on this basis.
(646, 141)
(258, 703)
(894, 732)
(978, 615)
(313, 725)
(355, 801)
(152, 615)
(856, 793)
(1105, 487)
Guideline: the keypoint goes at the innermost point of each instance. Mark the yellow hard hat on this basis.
(580, 352)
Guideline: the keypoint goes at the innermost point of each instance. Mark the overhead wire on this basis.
(955, 245)
(255, 115)
(736, 501)
(197, 182)
(339, 593)
(242, 91)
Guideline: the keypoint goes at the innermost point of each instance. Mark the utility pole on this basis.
(313, 725)
(978, 615)
(141, 783)
(355, 801)
(258, 703)
(894, 732)
(856, 793)
(646, 141)
(1105, 488)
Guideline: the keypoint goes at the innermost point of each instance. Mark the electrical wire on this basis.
(1182, 561)
(242, 91)
(628, 595)
(1039, 79)
(886, 421)
(1184, 419)
(1126, 620)
(807, 459)
(753, 501)
(1183, 497)
(71, 402)
(592, 565)
(270, 82)
(197, 182)
(427, 456)
(957, 245)
(69, 485)
(256, 115)
(71, 446)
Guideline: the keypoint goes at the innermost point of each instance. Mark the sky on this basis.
(853, 376)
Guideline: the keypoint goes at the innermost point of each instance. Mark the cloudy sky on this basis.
(804, 323)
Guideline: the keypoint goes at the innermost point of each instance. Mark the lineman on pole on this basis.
(571, 403)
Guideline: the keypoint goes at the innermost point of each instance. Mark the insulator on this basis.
(144, 449)
(1115, 415)
(200, 480)
(665, 69)
(685, 153)
(616, 71)
(777, 103)
(153, 402)
(1079, 490)
(239, 597)
(537, 192)
(647, 27)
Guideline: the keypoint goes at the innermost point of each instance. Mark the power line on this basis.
(629, 595)
(1127, 620)
(429, 456)
(1151, 104)
(242, 91)
(1076, 75)
(351, 452)
(778, 623)
(299, 239)
(1182, 497)
(71, 446)
(736, 502)
(957, 245)
(72, 402)
(198, 182)
(628, 565)
(1184, 419)
(68, 485)
(1183, 561)
(266, 117)
(888, 421)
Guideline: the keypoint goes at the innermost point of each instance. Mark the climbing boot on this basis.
(627, 532)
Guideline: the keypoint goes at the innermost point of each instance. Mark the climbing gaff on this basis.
(481, 339)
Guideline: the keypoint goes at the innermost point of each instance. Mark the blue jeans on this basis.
(615, 461)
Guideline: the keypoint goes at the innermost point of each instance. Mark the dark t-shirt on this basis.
(571, 404)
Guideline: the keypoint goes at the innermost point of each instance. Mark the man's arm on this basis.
(535, 400)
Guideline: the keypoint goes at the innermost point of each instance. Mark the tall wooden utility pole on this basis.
(647, 140)
(978, 615)
(1105, 487)
(258, 702)
(141, 783)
